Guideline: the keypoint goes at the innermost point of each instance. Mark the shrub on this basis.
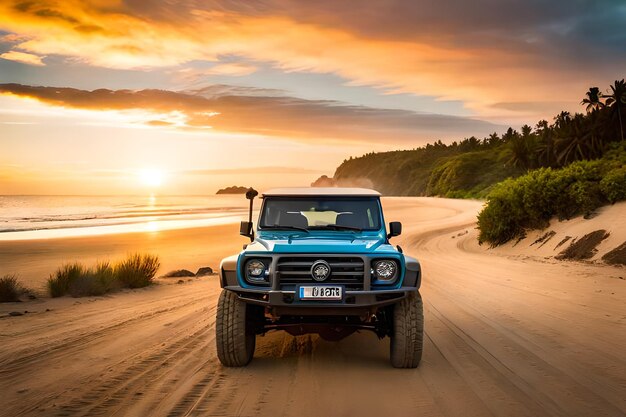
(586, 196)
(613, 185)
(137, 270)
(62, 280)
(502, 218)
(534, 192)
(10, 289)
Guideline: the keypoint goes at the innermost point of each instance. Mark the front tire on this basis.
(407, 336)
(234, 331)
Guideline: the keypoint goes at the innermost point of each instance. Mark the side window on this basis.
(272, 215)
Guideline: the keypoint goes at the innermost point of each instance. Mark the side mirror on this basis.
(245, 229)
(395, 229)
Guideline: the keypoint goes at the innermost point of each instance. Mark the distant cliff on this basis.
(233, 190)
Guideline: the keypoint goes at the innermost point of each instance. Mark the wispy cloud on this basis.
(19, 123)
(274, 116)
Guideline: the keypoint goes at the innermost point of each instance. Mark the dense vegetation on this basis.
(570, 166)
(530, 201)
(135, 271)
(471, 167)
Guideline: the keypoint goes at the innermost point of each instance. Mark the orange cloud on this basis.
(22, 57)
(109, 34)
(275, 116)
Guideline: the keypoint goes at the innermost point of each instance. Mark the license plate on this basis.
(325, 292)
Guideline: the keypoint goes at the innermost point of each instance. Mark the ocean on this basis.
(39, 217)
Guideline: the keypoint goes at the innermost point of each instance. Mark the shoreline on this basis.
(34, 217)
(120, 228)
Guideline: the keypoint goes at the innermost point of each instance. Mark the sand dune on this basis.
(505, 335)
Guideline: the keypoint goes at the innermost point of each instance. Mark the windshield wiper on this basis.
(336, 227)
(279, 227)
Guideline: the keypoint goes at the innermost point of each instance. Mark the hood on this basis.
(336, 243)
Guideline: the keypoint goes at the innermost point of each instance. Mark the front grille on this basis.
(345, 270)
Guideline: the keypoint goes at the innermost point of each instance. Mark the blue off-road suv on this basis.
(320, 262)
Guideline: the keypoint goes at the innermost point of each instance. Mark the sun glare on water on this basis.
(151, 177)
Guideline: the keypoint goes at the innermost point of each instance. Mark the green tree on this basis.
(579, 139)
(593, 99)
(545, 144)
(509, 135)
(492, 140)
(562, 119)
(523, 149)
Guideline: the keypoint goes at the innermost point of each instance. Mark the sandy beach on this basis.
(509, 332)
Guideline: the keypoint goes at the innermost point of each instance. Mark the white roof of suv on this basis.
(322, 191)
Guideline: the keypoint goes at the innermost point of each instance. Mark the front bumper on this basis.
(352, 299)
(282, 300)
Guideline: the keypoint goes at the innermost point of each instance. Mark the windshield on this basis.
(311, 213)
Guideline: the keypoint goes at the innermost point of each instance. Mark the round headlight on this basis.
(255, 270)
(385, 270)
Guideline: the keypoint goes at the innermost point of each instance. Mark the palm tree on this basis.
(579, 139)
(562, 119)
(493, 139)
(523, 148)
(593, 99)
(545, 146)
(616, 100)
(509, 135)
(541, 126)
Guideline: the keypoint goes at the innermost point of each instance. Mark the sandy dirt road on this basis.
(504, 337)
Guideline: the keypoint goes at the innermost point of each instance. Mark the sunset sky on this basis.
(123, 97)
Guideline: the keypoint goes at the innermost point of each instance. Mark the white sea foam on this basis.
(38, 217)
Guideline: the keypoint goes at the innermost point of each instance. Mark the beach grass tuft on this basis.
(64, 278)
(10, 289)
(136, 271)
(95, 281)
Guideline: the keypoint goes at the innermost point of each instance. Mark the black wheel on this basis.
(234, 330)
(407, 335)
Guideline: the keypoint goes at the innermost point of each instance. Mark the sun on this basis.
(151, 177)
